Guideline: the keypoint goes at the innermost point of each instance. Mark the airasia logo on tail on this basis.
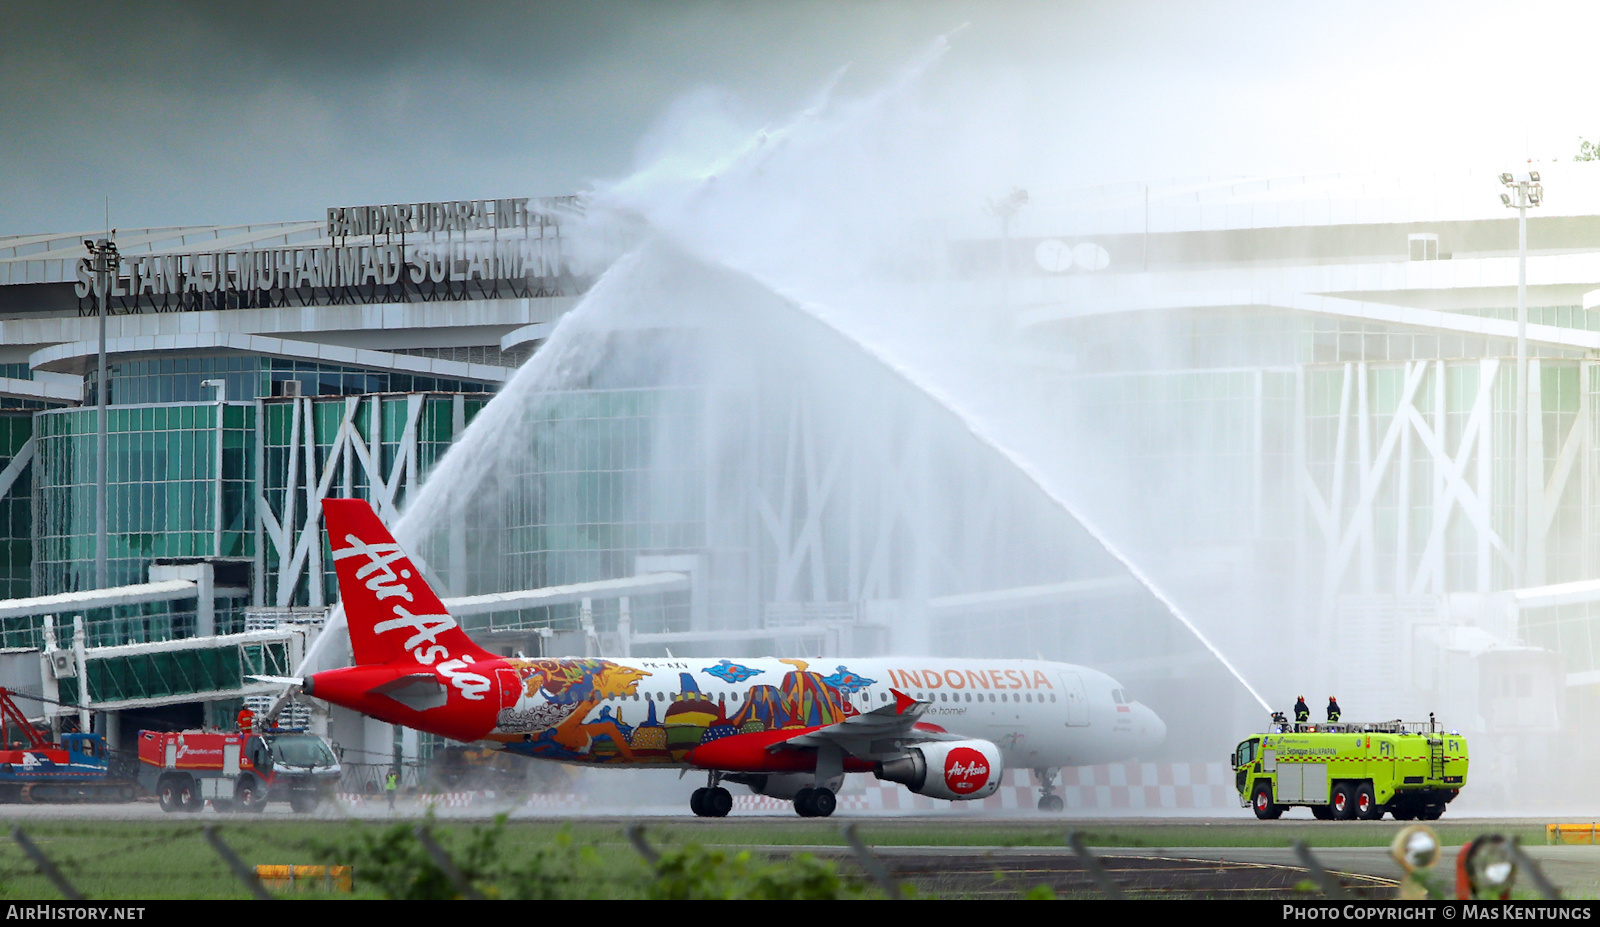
(965, 771)
(379, 576)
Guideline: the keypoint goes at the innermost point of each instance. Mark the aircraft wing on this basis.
(877, 734)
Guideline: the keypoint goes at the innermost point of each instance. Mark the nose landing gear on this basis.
(1048, 799)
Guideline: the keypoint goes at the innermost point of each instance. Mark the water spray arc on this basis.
(695, 222)
(1039, 480)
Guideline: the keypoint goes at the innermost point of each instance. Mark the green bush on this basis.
(699, 873)
(393, 863)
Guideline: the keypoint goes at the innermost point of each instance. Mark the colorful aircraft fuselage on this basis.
(414, 666)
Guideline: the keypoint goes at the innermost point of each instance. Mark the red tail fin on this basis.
(391, 611)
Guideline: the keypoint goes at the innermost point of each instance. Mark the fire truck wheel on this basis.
(1344, 802)
(1430, 812)
(1367, 807)
(1322, 812)
(222, 805)
(303, 802)
(248, 795)
(1261, 802)
(167, 794)
(188, 796)
(1404, 812)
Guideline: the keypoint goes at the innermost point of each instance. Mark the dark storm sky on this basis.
(211, 112)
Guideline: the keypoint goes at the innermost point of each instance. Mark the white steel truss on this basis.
(14, 467)
(295, 532)
(1378, 451)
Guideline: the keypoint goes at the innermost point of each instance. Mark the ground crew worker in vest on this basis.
(391, 783)
(1333, 708)
(1302, 711)
(247, 719)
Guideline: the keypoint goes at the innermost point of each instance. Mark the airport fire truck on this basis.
(1345, 771)
(237, 771)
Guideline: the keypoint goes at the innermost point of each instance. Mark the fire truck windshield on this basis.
(306, 750)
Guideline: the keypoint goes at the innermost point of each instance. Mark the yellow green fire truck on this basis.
(1346, 771)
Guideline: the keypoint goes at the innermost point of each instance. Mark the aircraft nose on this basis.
(1150, 729)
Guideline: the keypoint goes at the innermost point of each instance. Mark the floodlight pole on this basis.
(1520, 472)
(1528, 192)
(1005, 210)
(105, 257)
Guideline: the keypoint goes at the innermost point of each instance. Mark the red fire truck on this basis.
(237, 771)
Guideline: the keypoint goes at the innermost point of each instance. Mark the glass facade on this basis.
(16, 509)
(178, 482)
(1230, 430)
(178, 379)
(282, 442)
(176, 673)
(141, 623)
(605, 476)
(592, 511)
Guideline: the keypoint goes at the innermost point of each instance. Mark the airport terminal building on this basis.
(1315, 375)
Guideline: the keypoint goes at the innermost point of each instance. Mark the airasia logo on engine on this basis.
(965, 771)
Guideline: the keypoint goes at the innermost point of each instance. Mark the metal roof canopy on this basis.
(72, 357)
(70, 602)
(648, 584)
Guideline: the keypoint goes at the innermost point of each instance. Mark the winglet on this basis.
(902, 701)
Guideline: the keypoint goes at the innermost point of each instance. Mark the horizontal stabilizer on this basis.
(417, 691)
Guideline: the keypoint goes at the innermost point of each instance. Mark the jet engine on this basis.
(955, 770)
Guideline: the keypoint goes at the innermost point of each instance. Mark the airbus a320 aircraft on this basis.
(942, 728)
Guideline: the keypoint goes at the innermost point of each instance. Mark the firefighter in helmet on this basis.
(1333, 709)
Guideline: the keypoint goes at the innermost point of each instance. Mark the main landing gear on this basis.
(713, 801)
(817, 802)
(1048, 799)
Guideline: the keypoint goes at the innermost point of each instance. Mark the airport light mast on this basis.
(1005, 210)
(103, 259)
(1525, 191)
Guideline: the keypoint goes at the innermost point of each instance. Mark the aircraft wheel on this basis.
(1344, 802)
(805, 802)
(1367, 807)
(1051, 803)
(1261, 802)
(717, 802)
(820, 802)
(697, 802)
